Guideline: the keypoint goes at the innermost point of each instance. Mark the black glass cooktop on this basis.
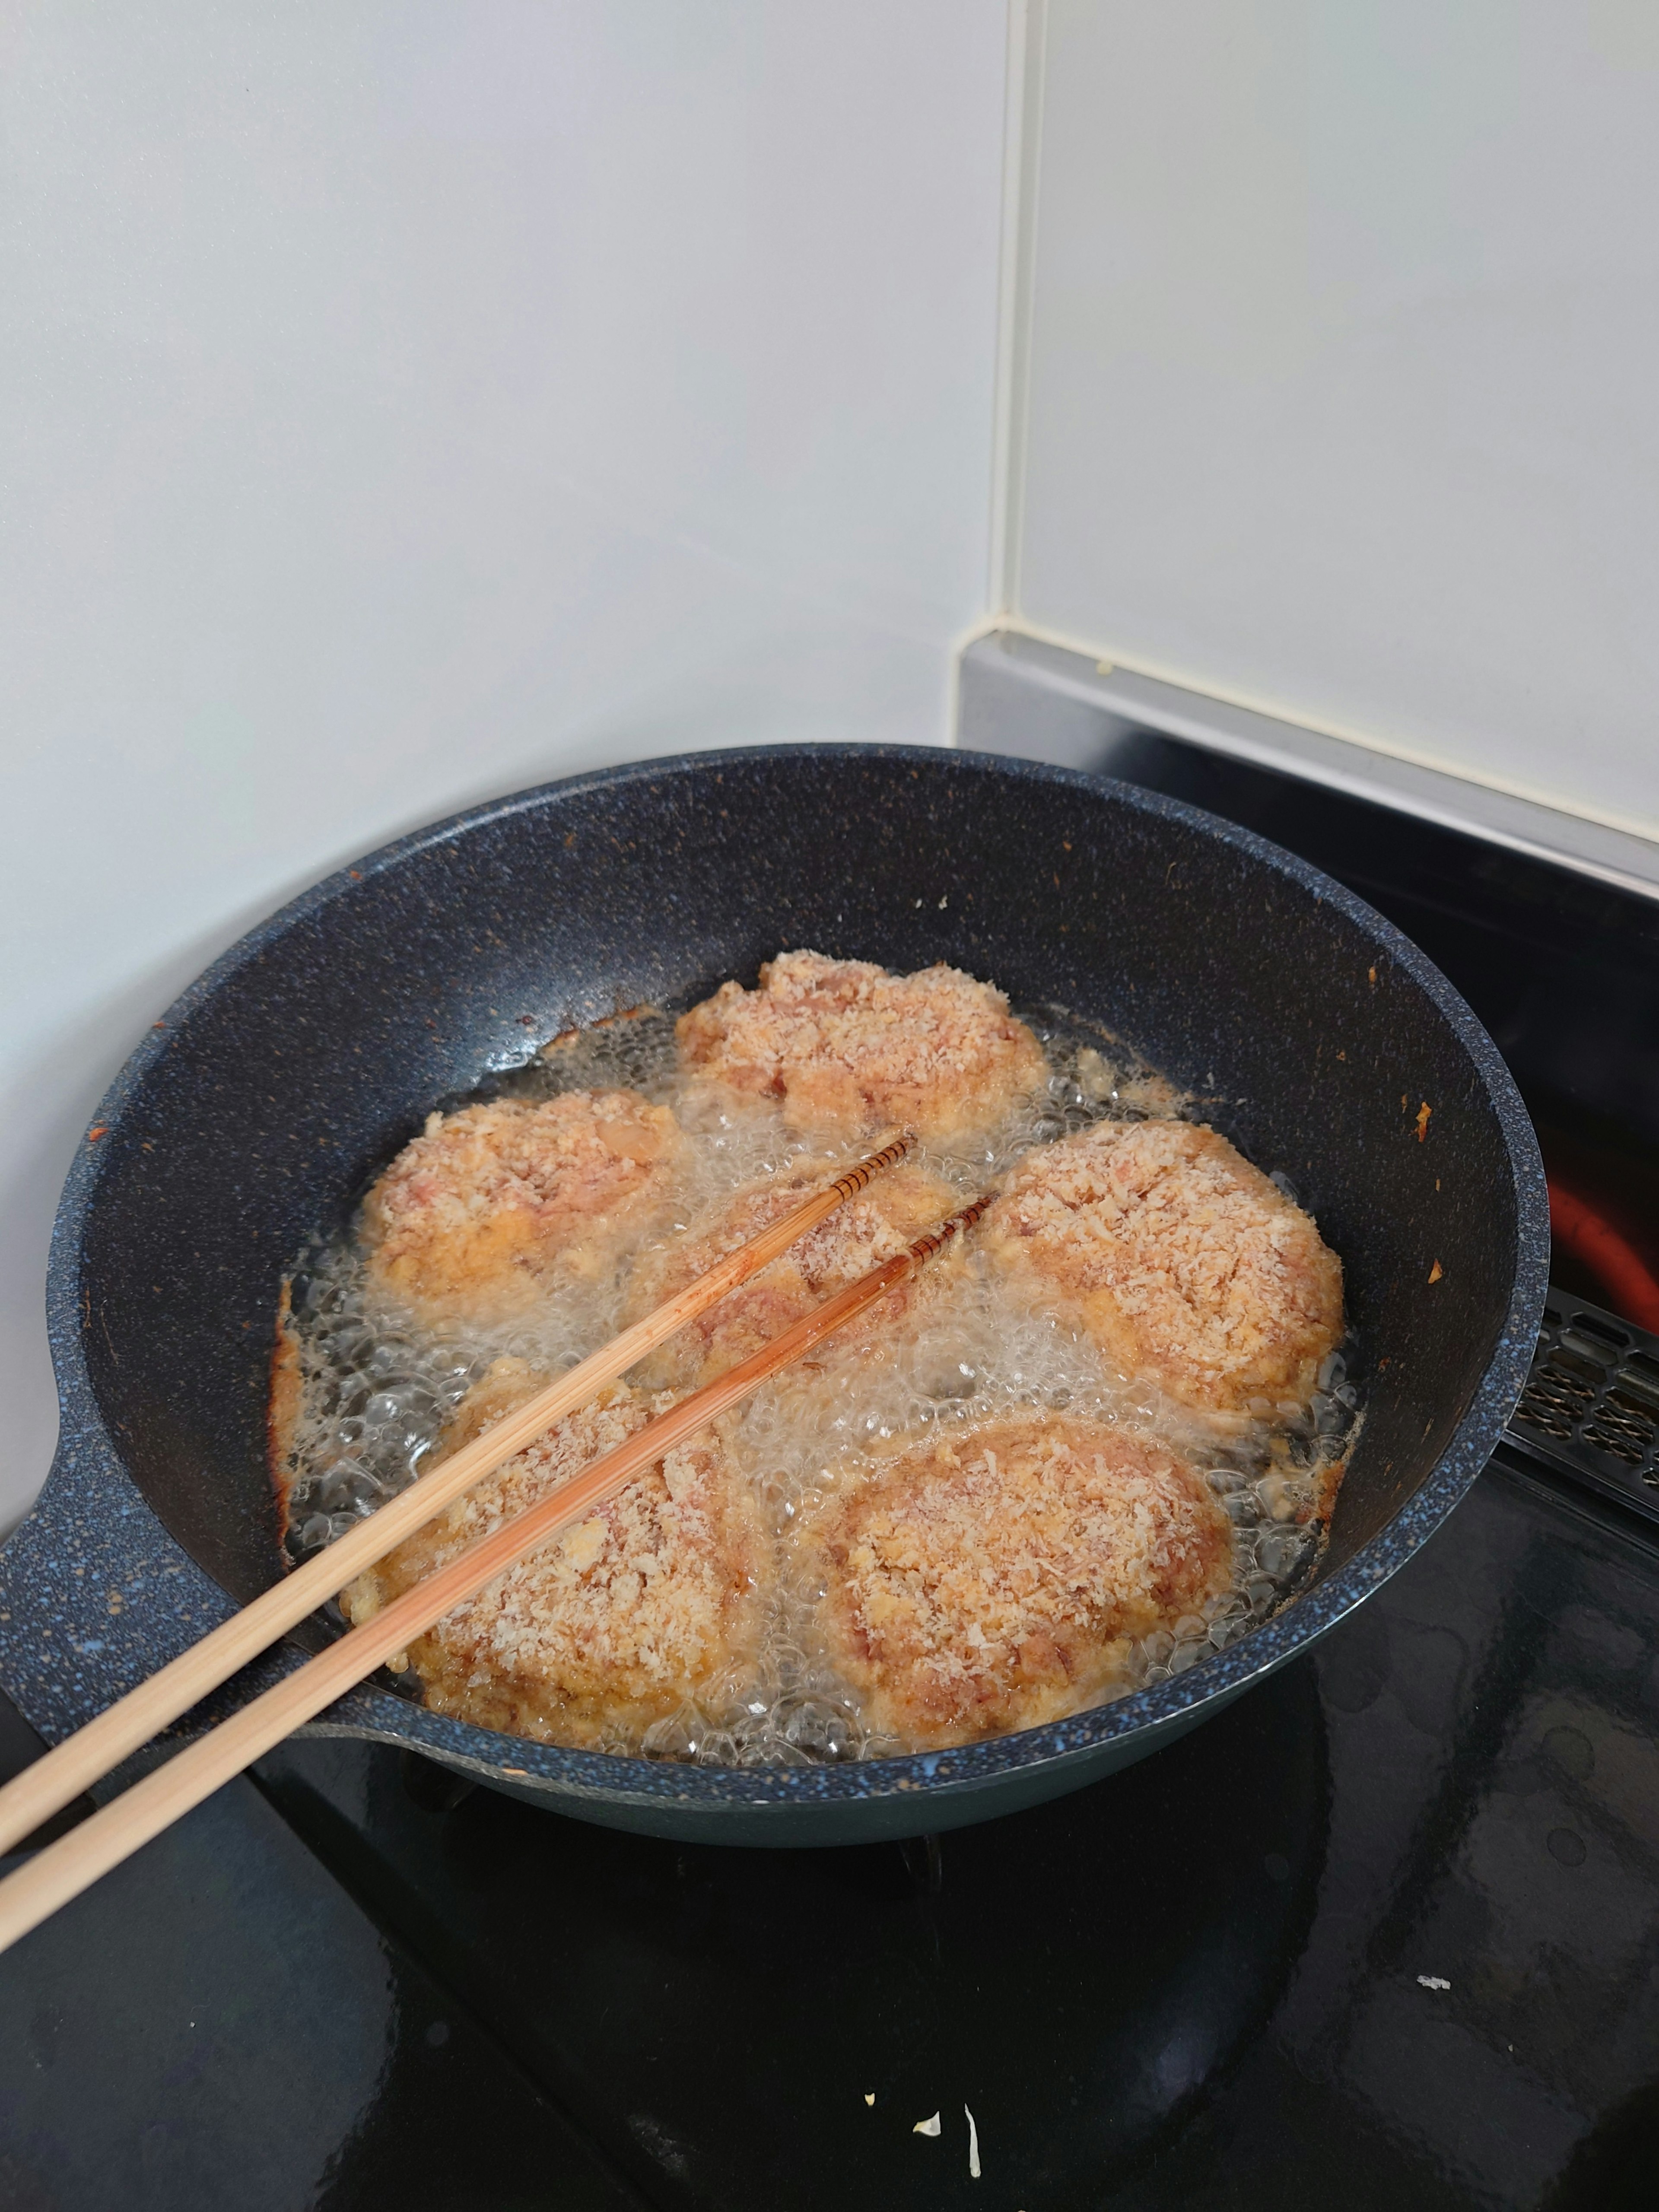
(1384, 1934)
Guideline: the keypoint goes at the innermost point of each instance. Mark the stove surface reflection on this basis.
(1077, 1975)
(1384, 1933)
(1213, 1979)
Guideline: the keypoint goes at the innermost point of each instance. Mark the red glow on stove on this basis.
(1631, 1287)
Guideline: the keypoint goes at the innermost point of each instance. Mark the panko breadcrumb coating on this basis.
(845, 1047)
(1184, 1262)
(609, 1626)
(995, 1578)
(482, 1211)
(873, 1226)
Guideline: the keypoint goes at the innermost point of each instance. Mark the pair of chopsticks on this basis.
(76, 1860)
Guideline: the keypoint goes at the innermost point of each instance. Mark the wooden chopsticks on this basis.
(99, 1748)
(75, 1860)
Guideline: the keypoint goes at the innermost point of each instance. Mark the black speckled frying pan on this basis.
(309, 1055)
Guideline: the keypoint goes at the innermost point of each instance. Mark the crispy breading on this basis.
(1186, 1264)
(873, 1226)
(616, 1623)
(993, 1579)
(486, 1207)
(843, 1047)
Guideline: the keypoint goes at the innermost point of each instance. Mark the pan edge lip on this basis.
(598, 1776)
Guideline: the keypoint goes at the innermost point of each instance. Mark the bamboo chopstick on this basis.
(94, 1750)
(75, 1860)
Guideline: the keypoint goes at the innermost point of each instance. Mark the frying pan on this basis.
(308, 1055)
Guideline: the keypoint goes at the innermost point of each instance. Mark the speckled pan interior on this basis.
(309, 1053)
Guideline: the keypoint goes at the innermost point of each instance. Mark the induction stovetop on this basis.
(1384, 1933)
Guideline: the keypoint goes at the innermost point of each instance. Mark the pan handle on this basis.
(94, 1593)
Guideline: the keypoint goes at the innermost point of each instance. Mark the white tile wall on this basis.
(1343, 353)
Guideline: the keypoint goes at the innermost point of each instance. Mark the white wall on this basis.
(402, 403)
(1342, 379)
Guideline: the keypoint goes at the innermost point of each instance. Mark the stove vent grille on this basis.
(1590, 1408)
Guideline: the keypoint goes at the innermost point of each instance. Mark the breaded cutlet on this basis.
(481, 1213)
(873, 1226)
(994, 1578)
(843, 1047)
(1186, 1264)
(619, 1622)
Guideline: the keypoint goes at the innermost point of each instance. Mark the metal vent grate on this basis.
(1590, 1408)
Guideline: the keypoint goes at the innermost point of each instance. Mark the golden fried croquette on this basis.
(875, 1225)
(490, 1205)
(1184, 1262)
(844, 1047)
(609, 1627)
(995, 1578)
